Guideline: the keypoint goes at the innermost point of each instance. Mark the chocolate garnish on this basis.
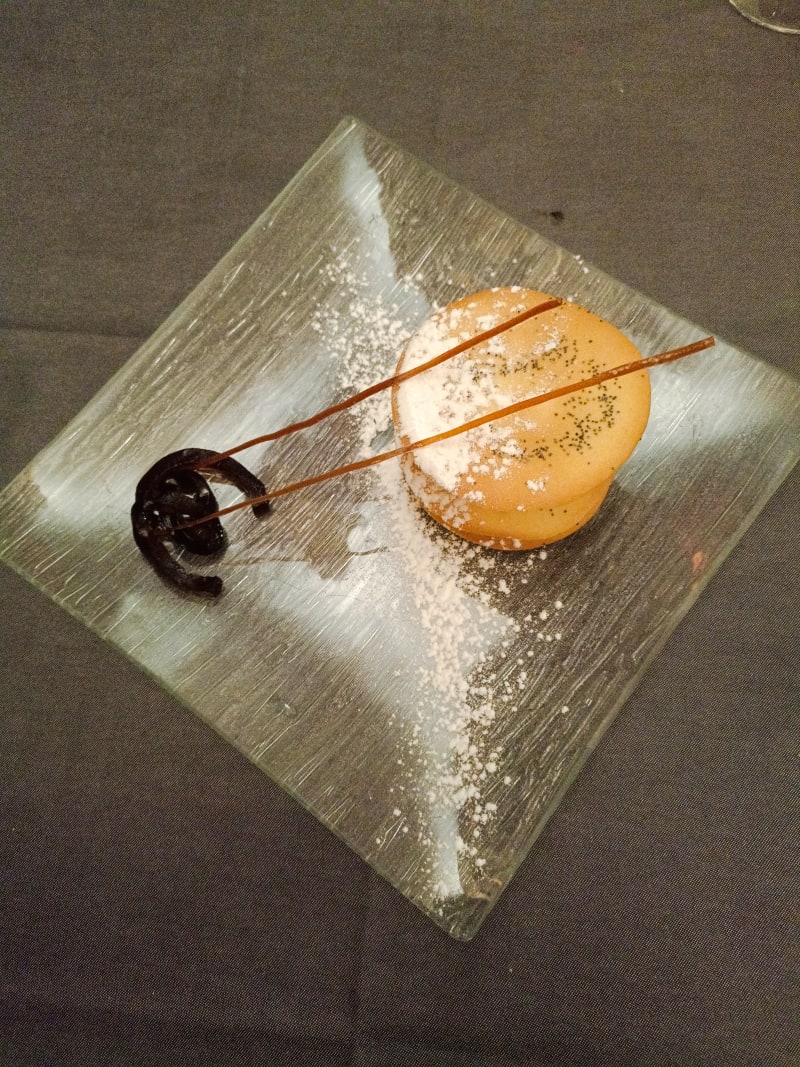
(172, 494)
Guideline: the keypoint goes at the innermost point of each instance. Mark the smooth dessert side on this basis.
(537, 476)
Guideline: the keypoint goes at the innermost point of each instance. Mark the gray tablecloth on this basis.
(161, 902)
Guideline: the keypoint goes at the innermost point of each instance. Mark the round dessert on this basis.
(536, 476)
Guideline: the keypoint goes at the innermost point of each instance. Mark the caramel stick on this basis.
(511, 409)
(342, 405)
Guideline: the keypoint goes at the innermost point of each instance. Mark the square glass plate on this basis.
(428, 701)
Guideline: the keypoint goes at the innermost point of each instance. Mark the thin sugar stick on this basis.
(343, 405)
(511, 409)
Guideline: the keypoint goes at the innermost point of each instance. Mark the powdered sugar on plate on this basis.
(453, 640)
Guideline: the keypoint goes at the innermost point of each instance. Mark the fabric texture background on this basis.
(161, 901)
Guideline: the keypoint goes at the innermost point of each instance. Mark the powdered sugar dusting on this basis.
(450, 395)
(460, 679)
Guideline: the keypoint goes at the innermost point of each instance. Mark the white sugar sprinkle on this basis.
(457, 696)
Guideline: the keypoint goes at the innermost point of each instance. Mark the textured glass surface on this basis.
(782, 16)
(427, 700)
